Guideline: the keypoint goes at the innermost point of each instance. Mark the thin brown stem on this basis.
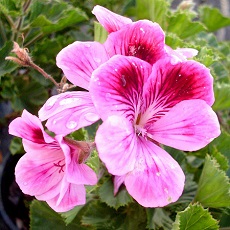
(46, 75)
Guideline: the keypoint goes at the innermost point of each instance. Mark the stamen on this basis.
(59, 165)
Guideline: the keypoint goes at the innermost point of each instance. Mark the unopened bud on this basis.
(186, 5)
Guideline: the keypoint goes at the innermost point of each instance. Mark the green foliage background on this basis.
(45, 27)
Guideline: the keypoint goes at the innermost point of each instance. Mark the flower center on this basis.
(139, 129)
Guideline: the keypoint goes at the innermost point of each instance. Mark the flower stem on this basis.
(46, 75)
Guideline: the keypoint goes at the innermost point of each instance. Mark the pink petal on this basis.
(29, 127)
(187, 52)
(109, 20)
(115, 140)
(180, 54)
(68, 112)
(189, 126)
(118, 181)
(116, 87)
(143, 39)
(79, 59)
(76, 173)
(170, 84)
(157, 179)
(71, 196)
(81, 174)
(37, 175)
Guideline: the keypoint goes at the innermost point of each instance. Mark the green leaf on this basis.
(100, 216)
(173, 40)
(94, 162)
(221, 159)
(106, 195)
(158, 218)
(213, 187)
(220, 71)
(212, 18)
(195, 217)
(30, 94)
(16, 146)
(43, 217)
(189, 191)
(154, 10)
(222, 95)
(70, 215)
(80, 135)
(6, 66)
(100, 33)
(222, 144)
(181, 24)
(206, 56)
(55, 16)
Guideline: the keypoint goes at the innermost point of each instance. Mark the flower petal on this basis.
(30, 128)
(81, 174)
(157, 179)
(79, 59)
(187, 52)
(189, 126)
(38, 176)
(180, 54)
(116, 86)
(170, 84)
(143, 39)
(118, 181)
(68, 112)
(76, 173)
(109, 20)
(115, 140)
(71, 196)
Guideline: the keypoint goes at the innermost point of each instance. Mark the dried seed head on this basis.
(22, 58)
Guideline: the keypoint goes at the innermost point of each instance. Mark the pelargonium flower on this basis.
(53, 168)
(113, 22)
(142, 106)
(80, 59)
(143, 39)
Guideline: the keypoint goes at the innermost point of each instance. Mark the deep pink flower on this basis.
(143, 105)
(52, 169)
(80, 59)
(113, 22)
(143, 39)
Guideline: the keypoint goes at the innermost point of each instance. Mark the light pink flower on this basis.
(143, 105)
(52, 169)
(110, 20)
(67, 112)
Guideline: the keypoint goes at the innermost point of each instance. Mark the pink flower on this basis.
(67, 112)
(143, 39)
(52, 169)
(143, 105)
(80, 59)
(113, 22)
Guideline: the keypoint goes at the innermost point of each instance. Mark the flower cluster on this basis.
(145, 93)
